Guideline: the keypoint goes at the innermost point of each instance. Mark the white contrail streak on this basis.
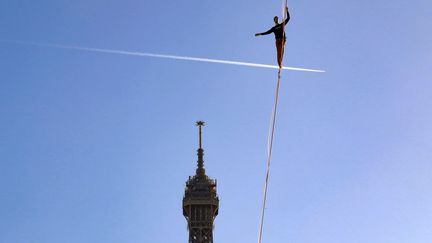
(145, 54)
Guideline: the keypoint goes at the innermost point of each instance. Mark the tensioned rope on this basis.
(270, 139)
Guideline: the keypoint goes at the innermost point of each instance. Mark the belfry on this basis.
(200, 202)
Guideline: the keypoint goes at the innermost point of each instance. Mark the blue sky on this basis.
(97, 147)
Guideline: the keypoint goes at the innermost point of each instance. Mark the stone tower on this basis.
(200, 202)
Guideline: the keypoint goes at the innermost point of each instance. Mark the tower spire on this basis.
(200, 171)
(200, 201)
(200, 124)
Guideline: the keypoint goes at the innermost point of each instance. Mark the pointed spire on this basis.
(200, 170)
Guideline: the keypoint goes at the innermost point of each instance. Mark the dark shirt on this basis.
(278, 29)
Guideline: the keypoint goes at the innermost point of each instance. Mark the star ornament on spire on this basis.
(200, 123)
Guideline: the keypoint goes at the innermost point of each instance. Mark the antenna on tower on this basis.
(200, 124)
(200, 170)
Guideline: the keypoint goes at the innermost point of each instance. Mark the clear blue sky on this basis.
(95, 148)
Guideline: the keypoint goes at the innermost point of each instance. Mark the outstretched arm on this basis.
(265, 33)
(288, 16)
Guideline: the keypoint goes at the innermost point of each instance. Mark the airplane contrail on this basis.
(146, 54)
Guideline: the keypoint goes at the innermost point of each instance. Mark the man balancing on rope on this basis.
(279, 33)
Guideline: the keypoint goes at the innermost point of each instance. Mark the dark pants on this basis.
(280, 46)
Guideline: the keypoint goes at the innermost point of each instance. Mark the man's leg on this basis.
(279, 48)
(283, 51)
